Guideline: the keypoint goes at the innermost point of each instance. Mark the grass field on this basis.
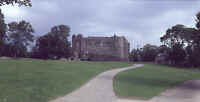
(40, 81)
(150, 80)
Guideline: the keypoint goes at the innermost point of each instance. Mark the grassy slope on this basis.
(150, 80)
(40, 81)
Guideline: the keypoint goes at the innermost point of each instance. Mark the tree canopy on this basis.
(19, 2)
(147, 53)
(184, 44)
(55, 44)
(3, 26)
(20, 35)
(198, 21)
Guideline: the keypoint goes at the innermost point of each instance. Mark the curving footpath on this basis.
(99, 89)
(188, 92)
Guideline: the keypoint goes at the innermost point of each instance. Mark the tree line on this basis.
(180, 45)
(17, 40)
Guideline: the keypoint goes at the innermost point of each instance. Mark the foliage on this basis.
(135, 55)
(3, 28)
(147, 53)
(184, 44)
(177, 55)
(19, 2)
(198, 21)
(19, 37)
(178, 34)
(193, 56)
(163, 49)
(55, 44)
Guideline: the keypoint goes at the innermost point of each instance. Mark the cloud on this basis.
(140, 21)
(13, 13)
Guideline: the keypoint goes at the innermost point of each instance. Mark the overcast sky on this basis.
(140, 21)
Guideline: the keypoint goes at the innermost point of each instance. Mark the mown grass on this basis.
(28, 80)
(151, 80)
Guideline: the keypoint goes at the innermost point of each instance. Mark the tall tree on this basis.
(3, 27)
(20, 35)
(182, 42)
(174, 35)
(176, 38)
(177, 54)
(55, 44)
(19, 2)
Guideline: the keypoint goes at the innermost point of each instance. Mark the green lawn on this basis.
(28, 80)
(150, 80)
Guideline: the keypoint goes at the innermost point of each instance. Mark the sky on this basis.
(140, 21)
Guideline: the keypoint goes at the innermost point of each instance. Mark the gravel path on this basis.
(188, 92)
(99, 89)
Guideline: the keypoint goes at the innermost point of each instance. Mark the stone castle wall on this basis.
(101, 48)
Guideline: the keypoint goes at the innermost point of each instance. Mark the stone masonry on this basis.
(113, 48)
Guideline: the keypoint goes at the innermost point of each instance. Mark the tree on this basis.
(182, 42)
(177, 38)
(180, 34)
(193, 49)
(3, 27)
(19, 2)
(149, 52)
(174, 35)
(55, 44)
(163, 49)
(20, 35)
(177, 55)
(198, 21)
(135, 55)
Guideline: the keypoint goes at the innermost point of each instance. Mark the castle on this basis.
(113, 48)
